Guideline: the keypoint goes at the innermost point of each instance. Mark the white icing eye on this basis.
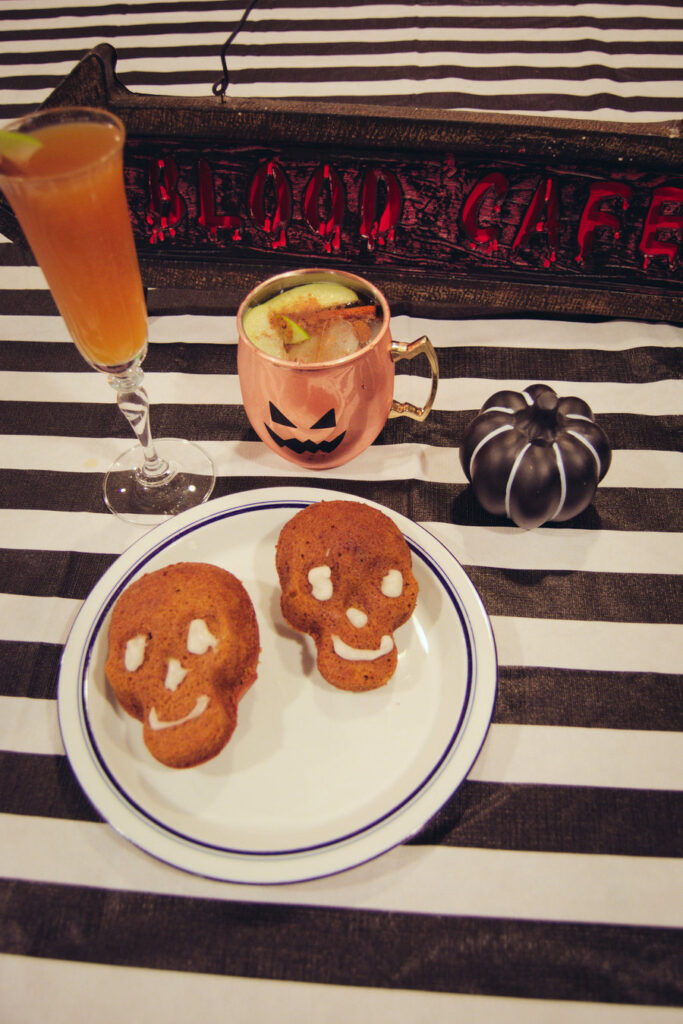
(135, 652)
(392, 584)
(356, 617)
(321, 583)
(175, 674)
(199, 637)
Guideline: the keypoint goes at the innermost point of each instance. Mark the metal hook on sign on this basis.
(219, 88)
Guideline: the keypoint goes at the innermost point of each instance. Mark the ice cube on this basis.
(337, 340)
(305, 351)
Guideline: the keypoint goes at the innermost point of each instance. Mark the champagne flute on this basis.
(69, 198)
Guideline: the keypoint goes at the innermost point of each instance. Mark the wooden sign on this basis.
(451, 214)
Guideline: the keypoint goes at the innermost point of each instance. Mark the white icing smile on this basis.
(200, 707)
(343, 650)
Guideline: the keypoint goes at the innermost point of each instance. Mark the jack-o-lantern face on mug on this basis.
(346, 576)
(321, 414)
(321, 437)
(183, 647)
(317, 416)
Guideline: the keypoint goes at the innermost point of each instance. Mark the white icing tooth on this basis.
(320, 579)
(392, 584)
(343, 650)
(200, 707)
(135, 652)
(200, 637)
(356, 617)
(175, 673)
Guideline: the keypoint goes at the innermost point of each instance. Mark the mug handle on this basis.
(408, 350)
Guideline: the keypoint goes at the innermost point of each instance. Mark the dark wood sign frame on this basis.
(450, 213)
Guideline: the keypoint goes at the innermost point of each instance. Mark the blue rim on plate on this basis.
(394, 816)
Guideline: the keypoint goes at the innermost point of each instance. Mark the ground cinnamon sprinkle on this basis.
(346, 312)
(312, 319)
(317, 322)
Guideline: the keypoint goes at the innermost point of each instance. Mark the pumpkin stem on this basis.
(539, 422)
(547, 401)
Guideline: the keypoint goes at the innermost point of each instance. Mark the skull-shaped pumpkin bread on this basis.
(346, 577)
(183, 650)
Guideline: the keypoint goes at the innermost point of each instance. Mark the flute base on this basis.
(188, 482)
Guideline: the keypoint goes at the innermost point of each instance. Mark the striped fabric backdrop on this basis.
(549, 886)
(616, 60)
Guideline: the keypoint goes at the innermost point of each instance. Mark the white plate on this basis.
(314, 780)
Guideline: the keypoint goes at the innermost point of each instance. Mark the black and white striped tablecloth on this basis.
(549, 886)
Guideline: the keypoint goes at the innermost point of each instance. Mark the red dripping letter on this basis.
(476, 232)
(271, 178)
(594, 216)
(208, 217)
(660, 219)
(325, 180)
(378, 228)
(166, 205)
(545, 201)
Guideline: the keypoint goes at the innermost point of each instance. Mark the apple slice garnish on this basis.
(18, 147)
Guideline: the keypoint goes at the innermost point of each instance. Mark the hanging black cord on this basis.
(220, 87)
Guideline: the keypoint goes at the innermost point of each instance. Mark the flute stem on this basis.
(134, 404)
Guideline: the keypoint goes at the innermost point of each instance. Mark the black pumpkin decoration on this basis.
(534, 457)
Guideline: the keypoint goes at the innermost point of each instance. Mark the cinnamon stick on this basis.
(348, 311)
(338, 312)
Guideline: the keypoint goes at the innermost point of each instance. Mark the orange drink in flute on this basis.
(61, 170)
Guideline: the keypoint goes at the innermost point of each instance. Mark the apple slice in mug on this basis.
(279, 322)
